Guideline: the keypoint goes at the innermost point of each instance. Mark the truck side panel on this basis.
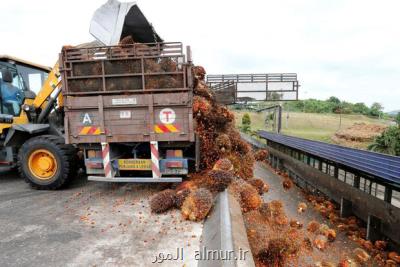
(130, 118)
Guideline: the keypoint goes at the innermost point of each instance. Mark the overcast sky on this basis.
(346, 48)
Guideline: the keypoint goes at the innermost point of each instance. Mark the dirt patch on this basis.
(359, 135)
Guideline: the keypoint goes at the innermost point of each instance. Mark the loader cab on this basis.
(12, 90)
(23, 81)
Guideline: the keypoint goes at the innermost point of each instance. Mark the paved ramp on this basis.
(89, 224)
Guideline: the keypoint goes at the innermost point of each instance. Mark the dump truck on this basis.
(129, 109)
(136, 126)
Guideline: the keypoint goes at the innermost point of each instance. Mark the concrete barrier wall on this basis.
(224, 231)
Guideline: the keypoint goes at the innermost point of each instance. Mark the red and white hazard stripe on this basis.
(155, 163)
(106, 160)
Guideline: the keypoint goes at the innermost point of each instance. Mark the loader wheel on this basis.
(46, 162)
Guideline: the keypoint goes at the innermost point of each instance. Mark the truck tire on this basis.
(46, 162)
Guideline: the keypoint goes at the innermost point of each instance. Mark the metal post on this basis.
(346, 207)
(374, 228)
(388, 194)
(356, 183)
(336, 171)
(320, 164)
(279, 118)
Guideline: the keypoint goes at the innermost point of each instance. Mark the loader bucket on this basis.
(115, 20)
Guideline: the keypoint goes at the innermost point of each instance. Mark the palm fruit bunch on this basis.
(330, 234)
(201, 89)
(320, 242)
(265, 211)
(287, 184)
(180, 196)
(295, 224)
(219, 180)
(322, 229)
(281, 220)
(249, 198)
(313, 226)
(239, 145)
(394, 256)
(168, 65)
(223, 143)
(223, 164)
(348, 262)
(301, 207)
(361, 255)
(162, 201)
(259, 184)
(380, 244)
(243, 164)
(197, 204)
(201, 107)
(261, 155)
(186, 185)
(277, 252)
(222, 119)
(307, 244)
(199, 73)
(273, 212)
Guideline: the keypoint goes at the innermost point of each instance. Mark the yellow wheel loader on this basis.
(31, 125)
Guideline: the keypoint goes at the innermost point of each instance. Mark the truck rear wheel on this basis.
(46, 162)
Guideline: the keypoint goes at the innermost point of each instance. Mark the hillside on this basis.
(315, 126)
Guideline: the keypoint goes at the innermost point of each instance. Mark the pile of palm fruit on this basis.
(226, 160)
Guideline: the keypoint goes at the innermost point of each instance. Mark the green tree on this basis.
(376, 109)
(334, 99)
(335, 104)
(361, 108)
(246, 123)
(398, 119)
(388, 142)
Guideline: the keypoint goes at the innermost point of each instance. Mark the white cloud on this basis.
(347, 48)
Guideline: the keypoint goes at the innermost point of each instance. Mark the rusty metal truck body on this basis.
(129, 108)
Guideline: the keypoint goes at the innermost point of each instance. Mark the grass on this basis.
(312, 126)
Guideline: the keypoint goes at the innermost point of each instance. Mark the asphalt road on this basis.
(89, 224)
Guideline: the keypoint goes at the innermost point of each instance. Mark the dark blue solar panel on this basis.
(380, 165)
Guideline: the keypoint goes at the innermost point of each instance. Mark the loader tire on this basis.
(46, 162)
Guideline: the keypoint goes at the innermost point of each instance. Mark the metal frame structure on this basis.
(227, 84)
(132, 58)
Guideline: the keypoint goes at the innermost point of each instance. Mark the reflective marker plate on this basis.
(134, 164)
